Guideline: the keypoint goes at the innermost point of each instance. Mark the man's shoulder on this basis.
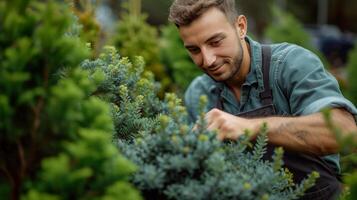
(283, 50)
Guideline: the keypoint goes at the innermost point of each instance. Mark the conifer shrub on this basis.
(176, 161)
(134, 37)
(90, 30)
(54, 135)
(131, 91)
(180, 163)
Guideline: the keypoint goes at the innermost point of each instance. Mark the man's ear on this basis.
(241, 25)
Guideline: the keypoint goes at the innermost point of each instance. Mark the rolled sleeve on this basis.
(309, 87)
(331, 102)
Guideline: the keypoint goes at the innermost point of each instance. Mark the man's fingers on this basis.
(216, 124)
(220, 136)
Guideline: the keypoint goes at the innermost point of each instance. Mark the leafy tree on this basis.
(54, 136)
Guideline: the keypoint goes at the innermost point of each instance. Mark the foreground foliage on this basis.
(177, 162)
(54, 136)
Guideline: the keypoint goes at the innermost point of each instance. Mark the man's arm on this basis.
(307, 134)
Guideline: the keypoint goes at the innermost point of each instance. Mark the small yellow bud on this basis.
(164, 120)
(186, 150)
(265, 197)
(174, 139)
(202, 138)
(116, 108)
(139, 140)
(183, 129)
(123, 90)
(247, 186)
(171, 105)
(140, 99)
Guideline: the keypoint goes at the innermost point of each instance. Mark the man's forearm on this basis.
(307, 134)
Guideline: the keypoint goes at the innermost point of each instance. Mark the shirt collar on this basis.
(255, 74)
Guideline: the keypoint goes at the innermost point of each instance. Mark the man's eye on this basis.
(194, 50)
(216, 43)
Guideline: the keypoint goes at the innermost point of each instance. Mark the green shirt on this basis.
(299, 82)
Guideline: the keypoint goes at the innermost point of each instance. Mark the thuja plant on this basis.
(178, 162)
(131, 92)
(83, 164)
(55, 138)
(176, 58)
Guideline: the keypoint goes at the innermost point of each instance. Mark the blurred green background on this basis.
(326, 27)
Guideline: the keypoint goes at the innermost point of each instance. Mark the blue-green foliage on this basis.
(178, 162)
(131, 92)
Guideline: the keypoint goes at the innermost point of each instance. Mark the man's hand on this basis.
(228, 126)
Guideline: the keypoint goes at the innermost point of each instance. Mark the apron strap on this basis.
(266, 96)
(219, 103)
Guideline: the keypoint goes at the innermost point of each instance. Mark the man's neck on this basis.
(236, 82)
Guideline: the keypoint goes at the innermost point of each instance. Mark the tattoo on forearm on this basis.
(301, 135)
(283, 127)
(290, 128)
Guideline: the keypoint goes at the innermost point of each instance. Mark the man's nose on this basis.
(208, 57)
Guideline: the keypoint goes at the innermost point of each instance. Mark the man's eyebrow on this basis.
(190, 46)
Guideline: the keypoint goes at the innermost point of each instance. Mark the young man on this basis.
(248, 84)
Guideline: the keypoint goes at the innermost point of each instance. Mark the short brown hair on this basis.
(183, 12)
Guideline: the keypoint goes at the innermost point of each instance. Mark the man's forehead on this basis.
(208, 24)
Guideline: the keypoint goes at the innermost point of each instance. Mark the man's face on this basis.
(214, 45)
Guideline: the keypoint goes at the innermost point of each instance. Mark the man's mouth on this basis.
(215, 68)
